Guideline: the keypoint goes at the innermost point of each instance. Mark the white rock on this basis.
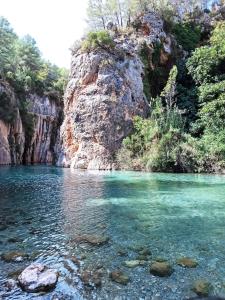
(37, 277)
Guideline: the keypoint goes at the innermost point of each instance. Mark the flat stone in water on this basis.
(38, 278)
(187, 262)
(14, 256)
(92, 240)
(202, 288)
(132, 263)
(119, 277)
(161, 269)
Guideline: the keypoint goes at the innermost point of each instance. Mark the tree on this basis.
(7, 39)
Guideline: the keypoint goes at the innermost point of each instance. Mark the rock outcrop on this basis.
(104, 94)
(16, 147)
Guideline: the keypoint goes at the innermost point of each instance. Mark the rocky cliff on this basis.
(17, 145)
(105, 92)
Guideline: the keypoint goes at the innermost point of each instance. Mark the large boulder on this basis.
(37, 278)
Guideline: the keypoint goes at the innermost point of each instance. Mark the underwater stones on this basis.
(161, 269)
(187, 262)
(75, 260)
(93, 240)
(142, 258)
(132, 263)
(145, 252)
(91, 279)
(38, 278)
(119, 277)
(14, 256)
(202, 288)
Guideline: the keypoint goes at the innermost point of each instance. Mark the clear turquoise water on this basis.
(174, 215)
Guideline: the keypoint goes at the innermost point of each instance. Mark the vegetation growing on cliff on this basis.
(164, 142)
(24, 69)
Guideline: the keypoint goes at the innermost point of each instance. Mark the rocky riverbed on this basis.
(129, 236)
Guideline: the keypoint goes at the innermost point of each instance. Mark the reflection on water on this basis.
(50, 210)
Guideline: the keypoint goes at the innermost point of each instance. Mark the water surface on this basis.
(173, 215)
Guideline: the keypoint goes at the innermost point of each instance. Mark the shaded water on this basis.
(173, 215)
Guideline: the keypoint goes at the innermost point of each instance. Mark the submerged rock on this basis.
(37, 278)
(91, 279)
(14, 256)
(187, 262)
(202, 288)
(145, 252)
(92, 240)
(132, 263)
(162, 269)
(119, 277)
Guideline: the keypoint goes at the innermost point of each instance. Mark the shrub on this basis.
(98, 39)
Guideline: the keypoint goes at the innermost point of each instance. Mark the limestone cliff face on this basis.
(104, 94)
(15, 146)
(12, 137)
(46, 114)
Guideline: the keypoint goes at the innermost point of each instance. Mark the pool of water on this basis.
(48, 210)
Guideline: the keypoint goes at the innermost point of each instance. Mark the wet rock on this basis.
(38, 278)
(91, 279)
(93, 240)
(14, 256)
(187, 262)
(202, 288)
(132, 263)
(119, 277)
(162, 269)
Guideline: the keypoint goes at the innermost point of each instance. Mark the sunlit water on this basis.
(173, 215)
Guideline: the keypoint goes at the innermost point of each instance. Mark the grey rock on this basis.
(37, 278)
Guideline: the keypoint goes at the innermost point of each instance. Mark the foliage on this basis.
(188, 35)
(22, 66)
(98, 39)
(123, 12)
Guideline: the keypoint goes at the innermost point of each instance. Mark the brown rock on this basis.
(162, 269)
(119, 277)
(202, 288)
(187, 262)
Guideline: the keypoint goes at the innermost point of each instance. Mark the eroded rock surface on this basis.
(41, 145)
